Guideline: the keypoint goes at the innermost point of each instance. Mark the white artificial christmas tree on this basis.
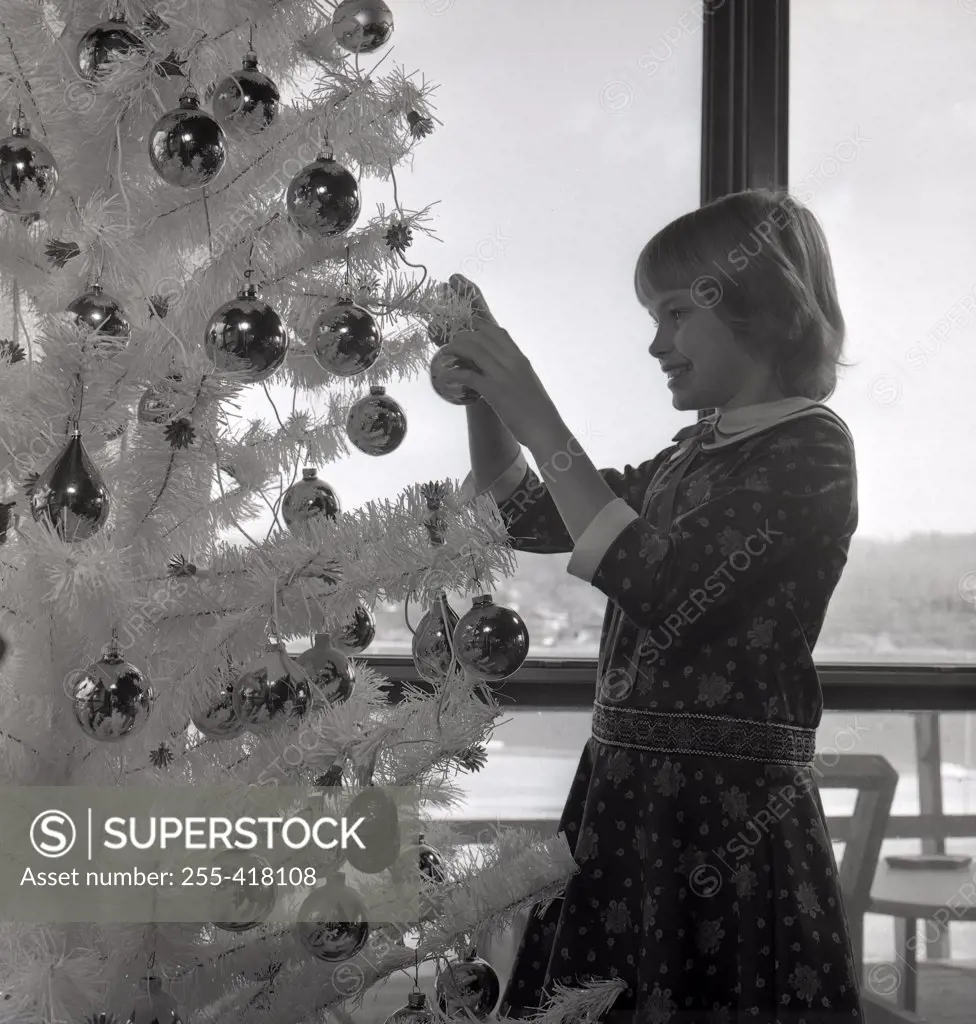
(182, 227)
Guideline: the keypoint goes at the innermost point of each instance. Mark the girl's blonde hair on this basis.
(759, 258)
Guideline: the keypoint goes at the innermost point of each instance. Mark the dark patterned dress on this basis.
(707, 879)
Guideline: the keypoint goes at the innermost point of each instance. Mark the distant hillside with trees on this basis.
(896, 599)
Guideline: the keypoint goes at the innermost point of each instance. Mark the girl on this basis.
(707, 880)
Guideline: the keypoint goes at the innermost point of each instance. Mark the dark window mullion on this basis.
(745, 96)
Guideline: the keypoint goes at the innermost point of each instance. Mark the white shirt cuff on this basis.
(593, 544)
(502, 488)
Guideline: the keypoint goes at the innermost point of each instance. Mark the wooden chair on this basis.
(875, 781)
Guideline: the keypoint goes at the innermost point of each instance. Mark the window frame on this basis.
(567, 684)
(745, 144)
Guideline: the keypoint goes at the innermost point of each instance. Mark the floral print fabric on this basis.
(707, 882)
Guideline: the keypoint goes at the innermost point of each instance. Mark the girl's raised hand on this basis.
(500, 372)
(462, 287)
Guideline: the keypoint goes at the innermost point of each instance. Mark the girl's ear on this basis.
(758, 335)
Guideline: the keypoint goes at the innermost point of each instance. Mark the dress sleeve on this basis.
(529, 512)
(798, 492)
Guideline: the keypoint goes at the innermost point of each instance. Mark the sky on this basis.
(568, 139)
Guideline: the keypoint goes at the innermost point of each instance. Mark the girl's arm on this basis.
(579, 490)
(499, 468)
(491, 444)
(796, 495)
(530, 513)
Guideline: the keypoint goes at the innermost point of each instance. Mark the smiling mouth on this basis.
(677, 371)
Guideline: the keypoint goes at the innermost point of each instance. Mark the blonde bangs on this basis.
(681, 253)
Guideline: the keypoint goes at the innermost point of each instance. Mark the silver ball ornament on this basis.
(307, 499)
(358, 633)
(445, 362)
(112, 700)
(345, 339)
(271, 689)
(163, 403)
(415, 1011)
(246, 338)
(376, 424)
(187, 147)
(379, 831)
(362, 26)
(431, 863)
(214, 714)
(332, 675)
(101, 313)
(431, 644)
(101, 43)
(247, 99)
(470, 986)
(491, 640)
(28, 173)
(154, 1005)
(323, 198)
(332, 922)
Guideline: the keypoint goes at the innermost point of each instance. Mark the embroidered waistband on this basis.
(670, 732)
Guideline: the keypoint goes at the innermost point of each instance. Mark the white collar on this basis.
(753, 417)
(721, 429)
(736, 425)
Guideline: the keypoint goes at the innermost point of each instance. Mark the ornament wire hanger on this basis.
(250, 263)
(73, 423)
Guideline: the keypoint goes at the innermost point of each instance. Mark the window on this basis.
(882, 142)
(564, 146)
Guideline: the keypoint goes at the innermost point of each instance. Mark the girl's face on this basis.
(706, 367)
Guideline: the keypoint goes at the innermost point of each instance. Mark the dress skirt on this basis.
(707, 883)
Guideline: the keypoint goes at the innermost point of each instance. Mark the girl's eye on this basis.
(676, 314)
